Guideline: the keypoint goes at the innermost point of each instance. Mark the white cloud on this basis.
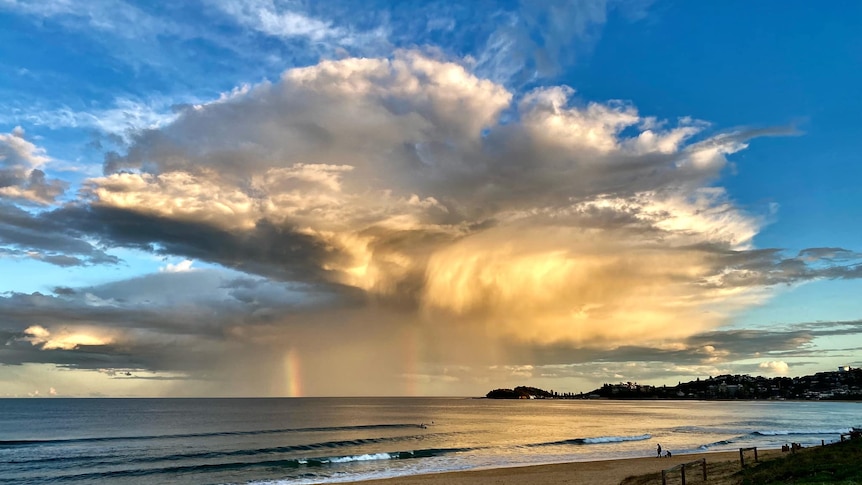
(179, 195)
(21, 176)
(182, 266)
(66, 338)
(270, 18)
(16, 150)
(775, 367)
(596, 127)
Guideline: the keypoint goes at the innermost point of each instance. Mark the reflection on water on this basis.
(154, 441)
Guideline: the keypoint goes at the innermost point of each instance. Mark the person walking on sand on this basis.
(658, 450)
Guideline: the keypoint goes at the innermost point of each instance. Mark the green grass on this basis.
(839, 463)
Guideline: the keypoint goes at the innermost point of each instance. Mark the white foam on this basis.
(617, 439)
(368, 457)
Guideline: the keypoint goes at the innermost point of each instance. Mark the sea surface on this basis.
(327, 440)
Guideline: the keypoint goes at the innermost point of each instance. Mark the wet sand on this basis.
(605, 472)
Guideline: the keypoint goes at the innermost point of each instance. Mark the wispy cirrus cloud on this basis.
(156, 44)
(280, 20)
(115, 16)
(124, 117)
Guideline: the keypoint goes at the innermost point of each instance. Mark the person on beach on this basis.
(658, 450)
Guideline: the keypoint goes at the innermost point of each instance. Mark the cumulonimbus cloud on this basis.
(405, 203)
(560, 221)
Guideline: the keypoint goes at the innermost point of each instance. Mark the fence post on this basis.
(704, 469)
(741, 459)
(682, 473)
(664, 477)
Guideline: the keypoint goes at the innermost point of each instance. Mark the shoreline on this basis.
(610, 471)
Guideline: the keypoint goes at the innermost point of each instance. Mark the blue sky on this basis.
(250, 197)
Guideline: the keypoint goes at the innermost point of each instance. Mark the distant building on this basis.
(844, 368)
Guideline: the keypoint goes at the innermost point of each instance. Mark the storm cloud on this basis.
(405, 203)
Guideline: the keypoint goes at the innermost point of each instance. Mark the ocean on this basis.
(329, 440)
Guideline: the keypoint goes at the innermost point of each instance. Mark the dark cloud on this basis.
(52, 240)
(64, 291)
(768, 267)
(709, 353)
(276, 251)
(820, 329)
(828, 254)
(751, 341)
(165, 323)
(723, 347)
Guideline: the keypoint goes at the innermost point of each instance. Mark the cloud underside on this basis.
(265, 340)
(400, 199)
(21, 178)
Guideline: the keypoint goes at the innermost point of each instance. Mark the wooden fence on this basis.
(742, 456)
(681, 467)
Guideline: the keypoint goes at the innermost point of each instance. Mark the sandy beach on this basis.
(605, 472)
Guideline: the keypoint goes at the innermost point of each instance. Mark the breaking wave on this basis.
(754, 435)
(720, 443)
(287, 463)
(596, 440)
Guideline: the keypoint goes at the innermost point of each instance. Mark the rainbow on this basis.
(292, 374)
